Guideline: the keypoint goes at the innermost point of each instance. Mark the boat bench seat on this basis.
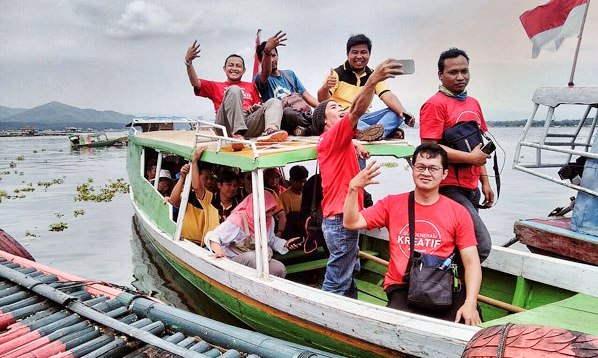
(579, 313)
(315, 264)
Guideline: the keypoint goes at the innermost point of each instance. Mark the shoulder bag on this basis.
(294, 100)
(430, 278)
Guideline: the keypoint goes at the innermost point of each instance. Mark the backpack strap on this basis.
(411, 210)
(313, 195)
(286, 75)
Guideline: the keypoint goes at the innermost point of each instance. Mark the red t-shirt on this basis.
(215, 91)
(338, 165)
(442, 112)
(438, 229)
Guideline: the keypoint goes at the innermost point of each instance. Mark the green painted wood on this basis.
(307, 266)
(371, 289)
(374, 267)
(144, 193)
(578, 313)
(522, 290)
(364, 297)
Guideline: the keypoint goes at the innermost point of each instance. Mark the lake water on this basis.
(101, 245)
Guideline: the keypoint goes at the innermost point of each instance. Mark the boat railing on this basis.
(558, 142)
(199, 134)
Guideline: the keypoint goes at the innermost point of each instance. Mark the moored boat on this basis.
(518, 287)
(576, 154)
(91, 140)
(46, 312)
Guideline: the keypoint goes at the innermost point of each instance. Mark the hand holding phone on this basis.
(488, 148)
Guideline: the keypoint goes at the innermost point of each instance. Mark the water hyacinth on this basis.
(78, 212)
(58, 226)
(86, 192)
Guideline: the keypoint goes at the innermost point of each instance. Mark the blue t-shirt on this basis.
(278, 86)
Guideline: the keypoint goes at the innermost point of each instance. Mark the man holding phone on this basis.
(467, 170)
(344, 83)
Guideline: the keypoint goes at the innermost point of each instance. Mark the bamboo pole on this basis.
(491, 301)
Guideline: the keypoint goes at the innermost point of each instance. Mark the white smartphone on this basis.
(408, 66)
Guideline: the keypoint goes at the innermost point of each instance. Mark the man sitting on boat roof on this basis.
(273, 82)
(441, 227)
(337, 159)
(235, 237)
(344, 83)
(200, 215)
(237, 104)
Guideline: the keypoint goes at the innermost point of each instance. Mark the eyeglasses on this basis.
(420, 168)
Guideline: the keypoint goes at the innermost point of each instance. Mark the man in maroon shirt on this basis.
(237, 104)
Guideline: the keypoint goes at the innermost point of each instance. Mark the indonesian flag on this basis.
(256, 60)
(549, 24)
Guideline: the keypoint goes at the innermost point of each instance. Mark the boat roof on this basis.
(265, 155)
(554, 96)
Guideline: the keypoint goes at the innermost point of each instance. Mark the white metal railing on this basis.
(222, 138)
(552, 98)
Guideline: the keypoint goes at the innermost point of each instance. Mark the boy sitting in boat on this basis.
(235, 237)
(200, 215)
(237, 104)
(441, 226)
(225, 198)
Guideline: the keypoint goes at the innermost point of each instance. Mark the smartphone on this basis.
(408, 66)
(489, 148)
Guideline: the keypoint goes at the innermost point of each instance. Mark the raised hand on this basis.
(273, 42)
(364, 177)
(192, 52)
(198, 151)
(331, 80)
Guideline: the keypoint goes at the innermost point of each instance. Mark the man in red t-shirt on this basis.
(237, 104)
(337, 158)
(448, 106)
(441, 225)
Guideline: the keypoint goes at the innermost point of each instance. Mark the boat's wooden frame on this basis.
(304, 314)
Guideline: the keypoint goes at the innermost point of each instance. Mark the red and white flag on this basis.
(256, 60)
(549, 24)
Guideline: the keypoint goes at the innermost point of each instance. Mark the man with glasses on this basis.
(441, 227)
(451, 105)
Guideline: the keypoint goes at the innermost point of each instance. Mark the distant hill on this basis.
(56, 115)
(6, 112)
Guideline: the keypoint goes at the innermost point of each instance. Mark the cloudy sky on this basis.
(127, 56)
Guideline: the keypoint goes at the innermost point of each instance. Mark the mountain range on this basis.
(57, 116)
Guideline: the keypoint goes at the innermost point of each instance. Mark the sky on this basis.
(127, 56)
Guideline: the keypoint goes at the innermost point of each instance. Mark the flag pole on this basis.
(583, 22)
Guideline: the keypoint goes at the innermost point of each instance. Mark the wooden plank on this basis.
(568, 275)
(371, 289)
(374, 267)
(307, 266)
(578, 313)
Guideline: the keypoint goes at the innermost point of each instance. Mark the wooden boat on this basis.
(90, 140)
(518, 287)
(45, 312)
(575, 238)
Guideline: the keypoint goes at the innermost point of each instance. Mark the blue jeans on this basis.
(343, 263)
(386, 117)
(470, 199)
